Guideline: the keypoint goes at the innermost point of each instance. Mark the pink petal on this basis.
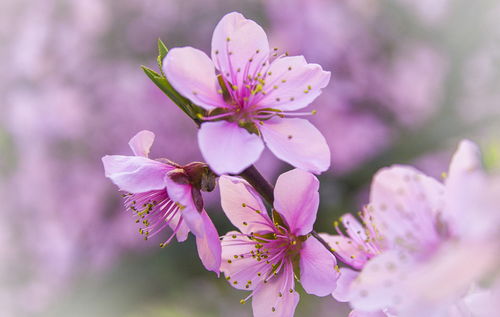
(135, 174)
(404, 204)
(235, 42)
(227, 148)
(297, 142)
(240, 203)
(347, 276)
(181, 194)
(295, 83)
(483, 302)
(354, 228)
(466, 160)
(296, 198)
(141, 143)
(192, 74)
(357, 313)
(378, 285)
(239, 270)
(347, 250)
(317, 268)
(182, 231)
(209, 246)
(471, 196)
(267, 296)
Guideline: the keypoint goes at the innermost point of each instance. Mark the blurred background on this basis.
(410, 79)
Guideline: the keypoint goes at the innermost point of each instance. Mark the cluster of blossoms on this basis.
(405, 256)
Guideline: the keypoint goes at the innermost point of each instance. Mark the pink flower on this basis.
(420, 235)
(250, 96)
(162, 193)
(267, 254)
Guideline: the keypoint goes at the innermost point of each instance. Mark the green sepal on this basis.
(162, 52)
(249, 126)
(165, 86)
(278, 220)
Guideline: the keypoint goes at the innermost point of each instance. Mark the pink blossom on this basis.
(418, 236)
(162, 193)
(250, 97)
(266, 254)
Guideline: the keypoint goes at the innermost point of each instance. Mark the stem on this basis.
(259, 183)
(322, 241)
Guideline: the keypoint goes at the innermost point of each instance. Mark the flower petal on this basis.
(295, 83)
(181, 194)
(296, 199)
(141, 143)
(341, 292)
(135, 174)
(236, 41)
(182, 231)
(471, 196)
(297, 142)
(227, 148)
(404, 204)
(243, 206)
(317, 268)
(378, 285)
(209, 246)
(357, 313)
(192, 74)
(267, 301)
(237, 269)
(347, 250)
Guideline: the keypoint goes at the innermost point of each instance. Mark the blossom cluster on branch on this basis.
(420, 247)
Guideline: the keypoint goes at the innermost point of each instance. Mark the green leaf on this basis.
(165, 86)
(162, 52)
